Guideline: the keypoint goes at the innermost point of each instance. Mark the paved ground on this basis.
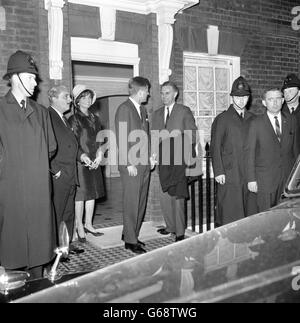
(108, 249)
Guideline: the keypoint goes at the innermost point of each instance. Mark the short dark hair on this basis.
(172, 84)
(272, 89)
(137, 83)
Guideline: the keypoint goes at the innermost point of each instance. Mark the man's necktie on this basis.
(23, 106)
(168, 116)
(293, 110)
(242, 115)
(277, 128)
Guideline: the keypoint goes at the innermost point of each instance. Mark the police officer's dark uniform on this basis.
(292, 81)
(228, 136)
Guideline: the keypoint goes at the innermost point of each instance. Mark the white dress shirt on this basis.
(272, 120)
(137, 106)
(170, 111)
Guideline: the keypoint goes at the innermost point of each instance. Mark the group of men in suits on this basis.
(135, 164)
(252, 155)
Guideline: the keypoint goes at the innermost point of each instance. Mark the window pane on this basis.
(206, 79)
(190, 78)
(204, 124)
(190, 100)
(206, 103)
(222, 79)
(222, 101)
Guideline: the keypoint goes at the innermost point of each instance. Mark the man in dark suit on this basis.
(271, 150)
(290, 89)
(63, 165)
(228, 135)
(132, 131)
(178, 118)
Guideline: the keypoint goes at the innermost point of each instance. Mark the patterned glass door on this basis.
(206, 89)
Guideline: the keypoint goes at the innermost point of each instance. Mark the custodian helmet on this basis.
(20, 62)
(240, 87)
(291, 81)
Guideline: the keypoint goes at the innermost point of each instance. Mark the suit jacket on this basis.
(270, 161)
(296, 114)
(133, 146)
(68, 151)
(228, 136)
(173, 177)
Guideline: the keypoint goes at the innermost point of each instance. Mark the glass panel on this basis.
(206, 103)
(190, 100)
(206, 79)
(190, 78)
(222, 101)
(222, 79)
(204, 124)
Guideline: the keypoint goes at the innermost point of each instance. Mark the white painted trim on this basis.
(101, 79)
(236, 61)
(143, 7)
(103, 51)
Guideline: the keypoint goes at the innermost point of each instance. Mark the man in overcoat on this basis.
(178, 122)
(271, 150)
(228, 135)
(132, 131)
(27, 236)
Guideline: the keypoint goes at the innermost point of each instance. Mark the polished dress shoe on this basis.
(136, 248)
(163, 231)
(141, 243)
(74, 250)
(65, 259)
(95, 234)
(179, 238)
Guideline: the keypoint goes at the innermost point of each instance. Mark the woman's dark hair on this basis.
(82, 95)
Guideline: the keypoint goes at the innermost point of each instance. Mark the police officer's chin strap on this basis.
(24, 85)
(292, 98)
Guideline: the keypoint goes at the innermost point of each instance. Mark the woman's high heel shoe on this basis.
(82, 240)
(96, 234)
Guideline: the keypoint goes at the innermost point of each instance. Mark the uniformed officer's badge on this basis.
(31, 60)
(241, 86)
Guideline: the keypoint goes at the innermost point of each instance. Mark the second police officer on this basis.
(228, 135)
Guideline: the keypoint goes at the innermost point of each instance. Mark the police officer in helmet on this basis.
(27, 237)
(228, 135)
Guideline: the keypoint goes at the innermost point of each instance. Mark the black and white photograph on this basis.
(149, 154)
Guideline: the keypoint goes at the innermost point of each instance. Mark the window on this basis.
(207, 86)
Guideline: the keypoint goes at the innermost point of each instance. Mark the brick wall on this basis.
(22, 26)
(27, 29)
(270, 47)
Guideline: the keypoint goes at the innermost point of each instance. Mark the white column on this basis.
(55, 28)
(108, 23)
(2, 18)
(165, 20)
(212, 40)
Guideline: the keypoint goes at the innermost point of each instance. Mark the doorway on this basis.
(110, 82)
